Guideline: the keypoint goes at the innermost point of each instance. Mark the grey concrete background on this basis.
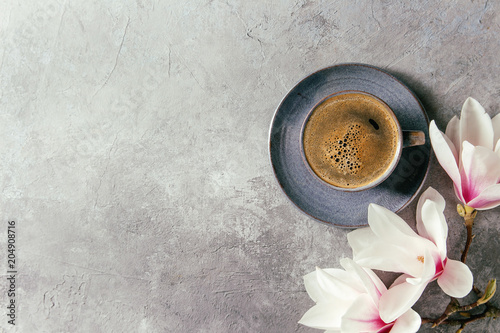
(134, 153)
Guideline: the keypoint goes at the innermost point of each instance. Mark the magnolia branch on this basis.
(469, 214)
(489, 311)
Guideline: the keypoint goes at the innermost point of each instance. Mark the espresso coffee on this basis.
(351, 139)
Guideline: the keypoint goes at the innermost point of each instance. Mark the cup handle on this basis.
(413, 138)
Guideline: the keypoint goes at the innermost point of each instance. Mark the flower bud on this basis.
(491, 288)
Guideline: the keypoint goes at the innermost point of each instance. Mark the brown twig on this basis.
(468, 213)
(450, 309)
(489, 312)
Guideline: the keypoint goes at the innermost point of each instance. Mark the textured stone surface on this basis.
(134, 153)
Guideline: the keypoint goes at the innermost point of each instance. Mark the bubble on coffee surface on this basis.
(343, 150)
(374, 123)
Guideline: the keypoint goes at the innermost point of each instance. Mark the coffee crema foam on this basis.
(350, 140)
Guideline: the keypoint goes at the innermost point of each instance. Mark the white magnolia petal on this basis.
(479, 170)
(387, 225)
(390, 258)
(416, 280)
(319, 294)
(313, 289)
(439, 203)
(489, 198)
(376, 281)
(497, 147)
(434, 222)
(456, 280)
(496, 127)
(362, 316)
(325, 316)
(453, 133)
(428, 264)
(432, 262)
(396, 236)
(475, 125)
(344, 282)
(399, 299)
(446, 153)
(360, 239)
(339, 289)
(371, 288)
(409, 322)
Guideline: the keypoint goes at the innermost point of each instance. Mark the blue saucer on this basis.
(316, 198)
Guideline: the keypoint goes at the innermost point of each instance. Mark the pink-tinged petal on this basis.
(373, 288)
(480, 169)
(466, 160)
(434, 222)
(385, 329)
(475, 125)
(336, 288)
(456, 280)
(431, 224)
(362, 316)
(489, 198)
(496, 127)
(325, 316)
(399, 299)
(453, 133)
(409, 322)
(445, 152)
(458, 192)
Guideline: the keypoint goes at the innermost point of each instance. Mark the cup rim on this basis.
(391, 167)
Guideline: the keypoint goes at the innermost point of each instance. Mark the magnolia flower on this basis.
(470, 153)
(389, 244)
(347, 301)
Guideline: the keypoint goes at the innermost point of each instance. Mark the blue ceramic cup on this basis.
(353, 141)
